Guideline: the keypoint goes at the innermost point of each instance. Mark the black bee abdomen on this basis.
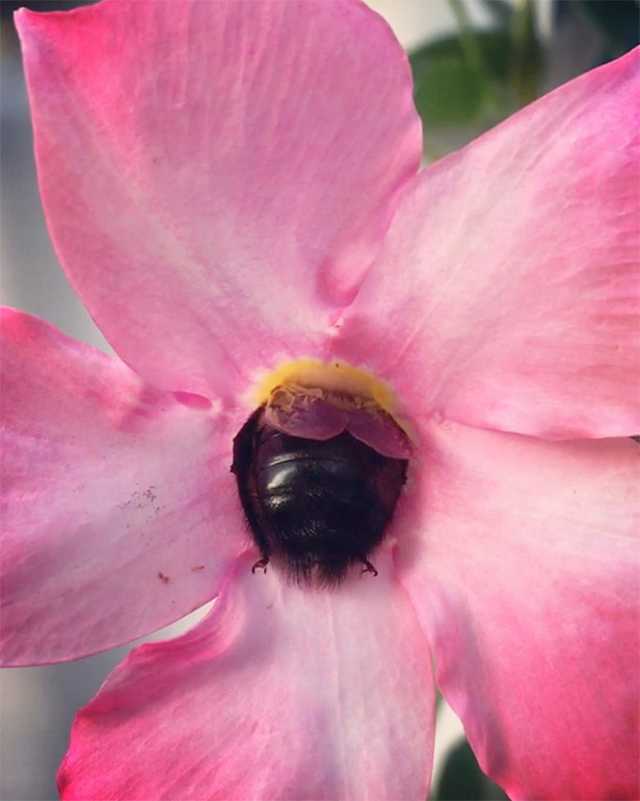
(315, 506)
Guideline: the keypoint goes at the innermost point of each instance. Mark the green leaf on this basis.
(449, 91)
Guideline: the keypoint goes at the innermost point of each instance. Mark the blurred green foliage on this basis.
(475, 78)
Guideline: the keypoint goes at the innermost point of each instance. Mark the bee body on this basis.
(315, 506)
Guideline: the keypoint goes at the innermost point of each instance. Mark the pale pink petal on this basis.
(508, 295)
(217, 175)
(280, 693)
(119, 513)
(526, 578)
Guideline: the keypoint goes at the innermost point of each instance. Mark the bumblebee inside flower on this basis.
(405, 393)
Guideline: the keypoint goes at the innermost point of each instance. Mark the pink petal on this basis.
(119, 511)
(280, 693)
(508, 295)
(526, 578)
(217, 175)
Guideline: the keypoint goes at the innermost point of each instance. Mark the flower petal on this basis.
(119, 511)
(510, 286)
(280, 693)
(217, 176)
(526, 578)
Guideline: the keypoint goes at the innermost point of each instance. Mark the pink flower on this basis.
(231, 186)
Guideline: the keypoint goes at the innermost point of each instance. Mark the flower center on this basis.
(320, 466)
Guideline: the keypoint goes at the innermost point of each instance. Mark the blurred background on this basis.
(474, 63)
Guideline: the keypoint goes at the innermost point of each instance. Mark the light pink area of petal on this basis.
(217, 175)
(280, 693)
(508, 295)
(119, 513)
(526, 578)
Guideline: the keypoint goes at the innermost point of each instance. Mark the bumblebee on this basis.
(317, 507)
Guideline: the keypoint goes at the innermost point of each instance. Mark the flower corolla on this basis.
(234, 188)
